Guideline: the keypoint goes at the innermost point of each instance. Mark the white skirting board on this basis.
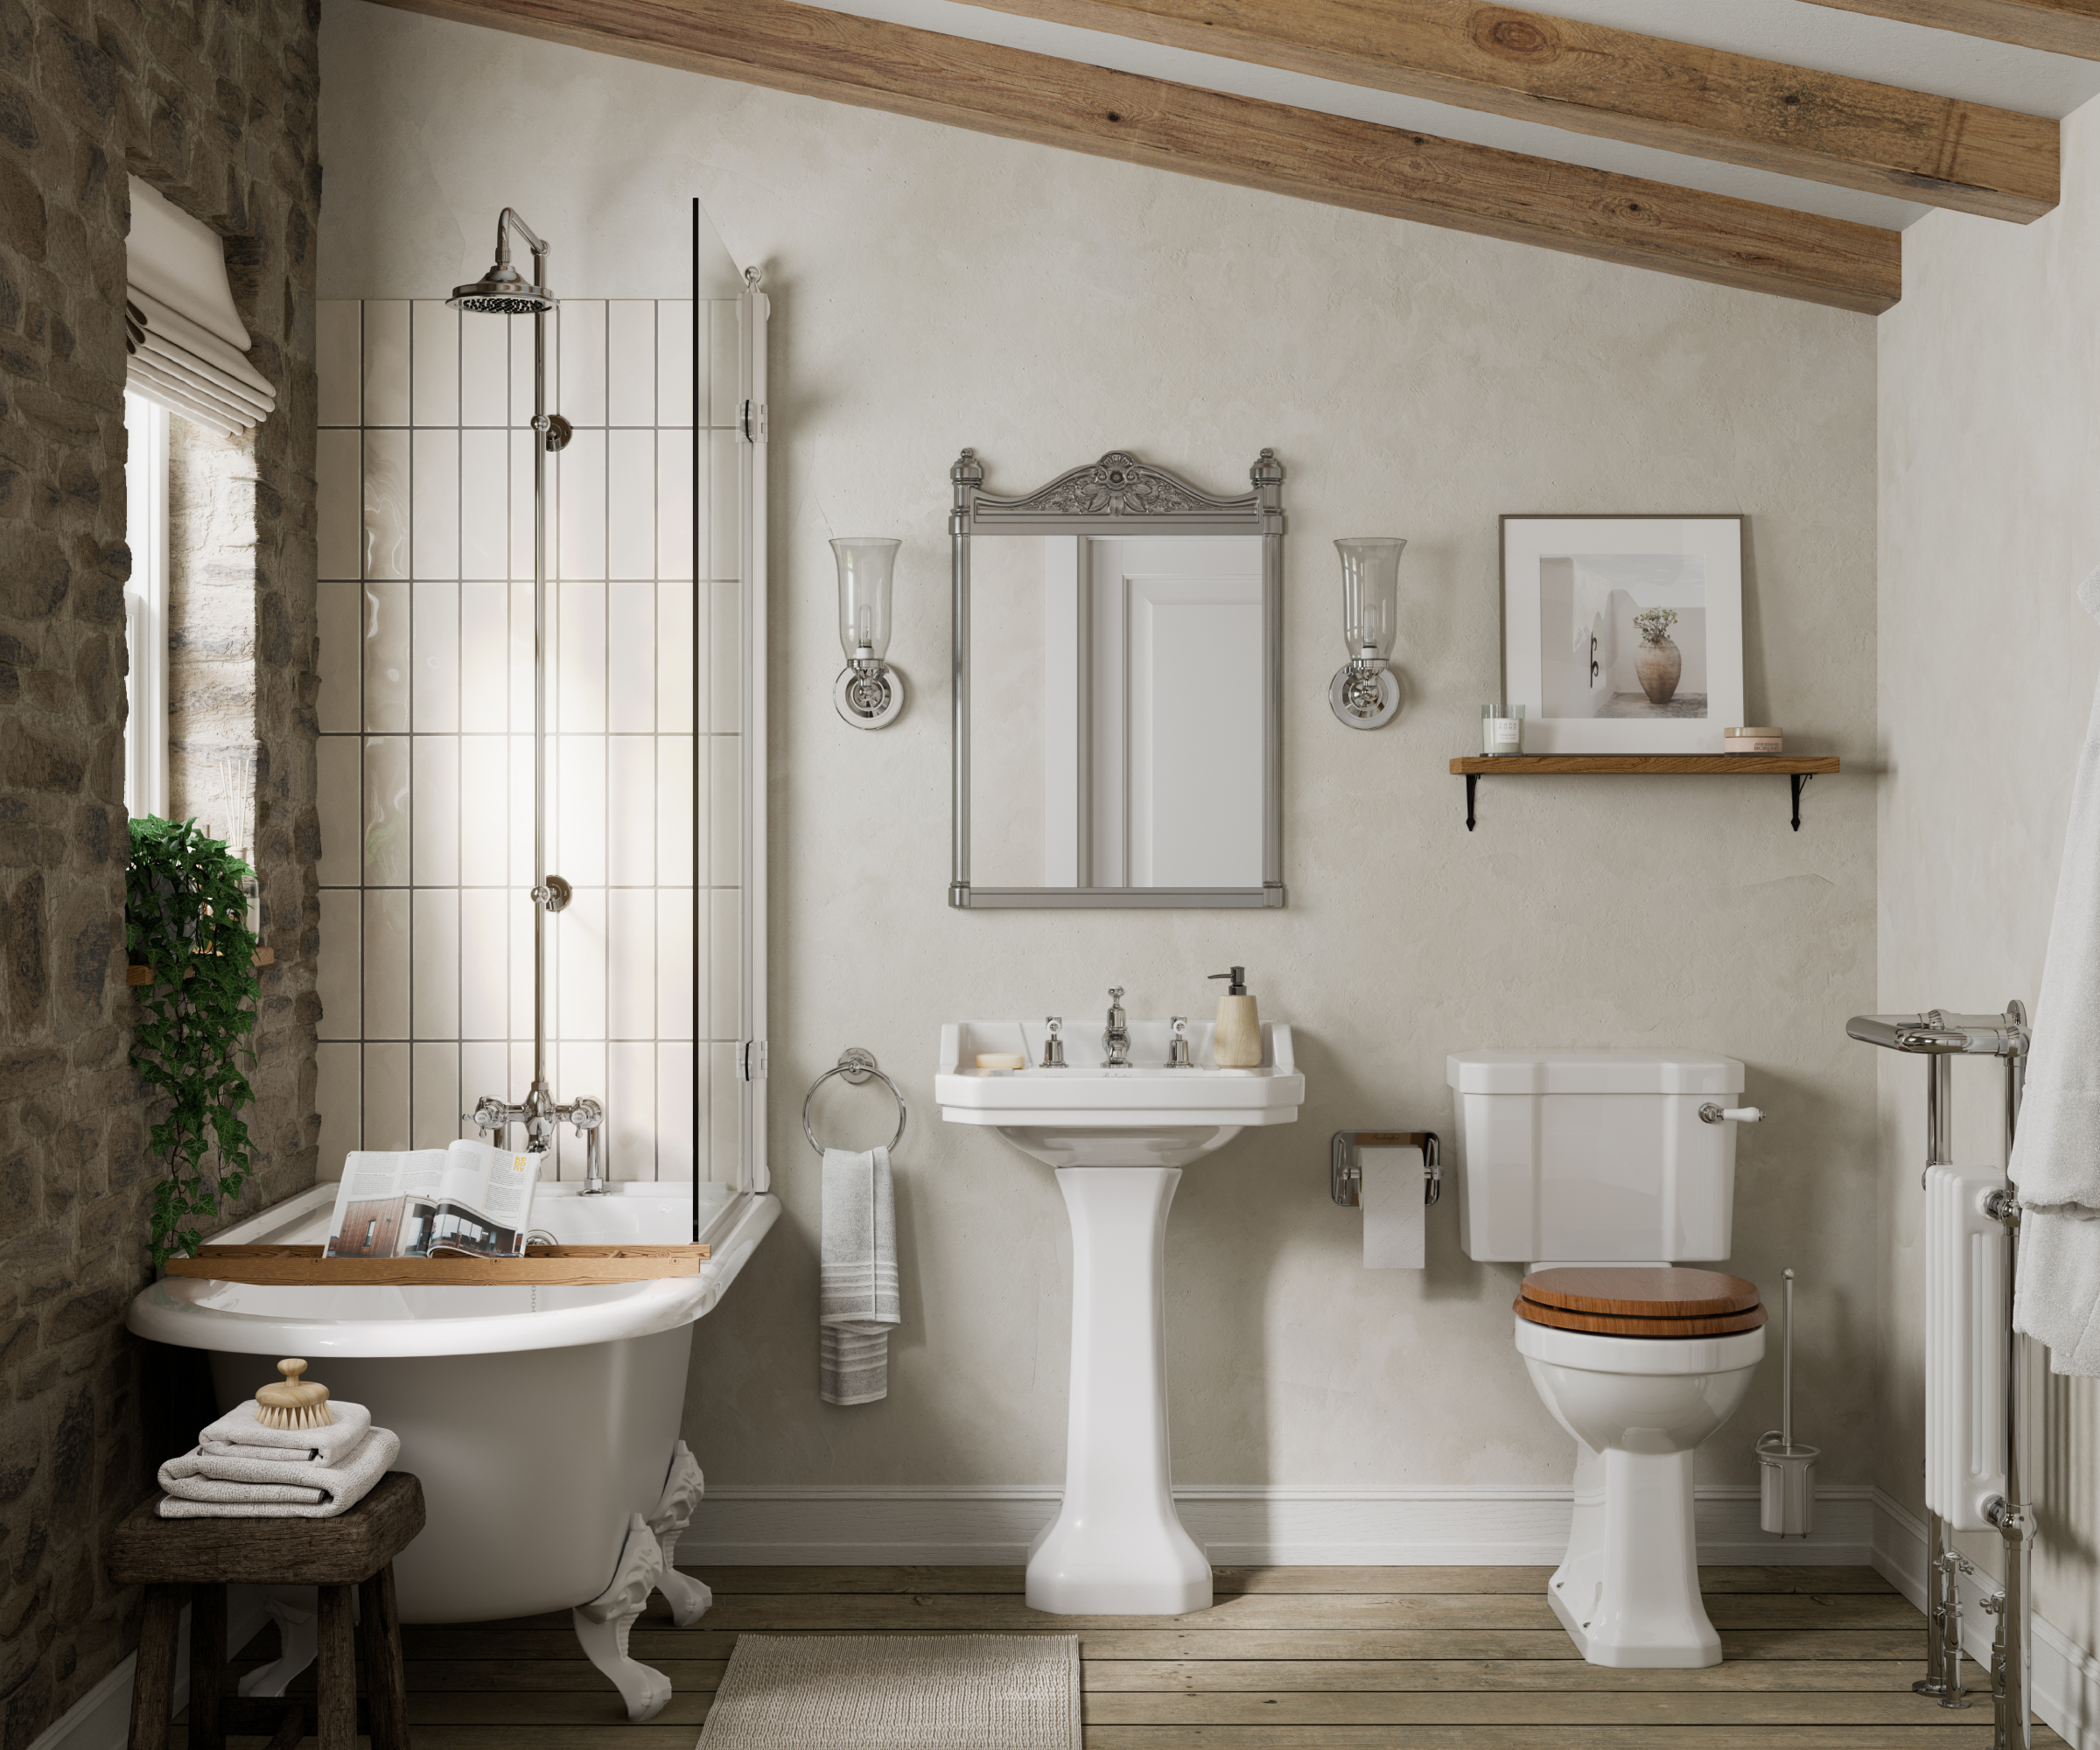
(855, 1525)
(102, 1718)
(2065, 1677)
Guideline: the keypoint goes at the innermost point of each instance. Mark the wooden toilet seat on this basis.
(1641, 1303)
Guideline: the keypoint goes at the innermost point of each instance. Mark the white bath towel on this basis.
(2056, 1159)
(199, 1486)
(238, 1435)
(857, 1288)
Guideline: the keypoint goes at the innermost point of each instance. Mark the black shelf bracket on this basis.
(1472, 781)
(1799, 778)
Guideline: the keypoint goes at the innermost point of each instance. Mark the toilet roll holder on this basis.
(1345, 1171)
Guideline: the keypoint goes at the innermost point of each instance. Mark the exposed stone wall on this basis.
(213, 101)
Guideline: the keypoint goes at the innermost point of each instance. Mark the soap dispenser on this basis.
(1237, 1044)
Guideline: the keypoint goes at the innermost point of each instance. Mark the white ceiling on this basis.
(1788, 30)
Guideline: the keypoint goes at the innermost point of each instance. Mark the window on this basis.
(146, 608)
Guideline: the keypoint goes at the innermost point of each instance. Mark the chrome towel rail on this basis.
(856, 1065)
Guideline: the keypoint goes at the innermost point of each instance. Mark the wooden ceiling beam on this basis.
(2068, 27)
(1619, 86)
(1300, 152)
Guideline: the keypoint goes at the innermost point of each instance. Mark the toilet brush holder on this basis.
(1786, 1471)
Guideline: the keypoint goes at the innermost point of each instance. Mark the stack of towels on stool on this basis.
(242, 1470)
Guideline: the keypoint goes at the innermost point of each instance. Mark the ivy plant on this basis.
(186, 918)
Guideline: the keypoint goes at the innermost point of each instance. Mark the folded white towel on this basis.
(857, 1288)
(238, 1435)
(202, 1487)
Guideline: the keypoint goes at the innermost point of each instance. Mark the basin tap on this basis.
(1115, 1037)
(1053, 1045)
(1177, 1050)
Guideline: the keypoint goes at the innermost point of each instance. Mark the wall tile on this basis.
(676, 808)
(677, 957)
(434, 674)
(485, 658)
(725, 791)
(434, 504)
(724, 1113)
(434, 811)
(386, 1096)
(340, 794)
(517, 923)
(387, 362)
(577, 692)
(581, 930)
(339, 707)
(485, 370)
(674, 362)
(386, 504)
(676, 1135)
(631, 1110)
(580, 519)
(631, 361)
(722, 559)
(339, 973)
(521, 368)
(520, 688)
(674, 532)
(339, 360)
(485, 504)
(675, 660)
(434, 974)
(435, 1106)
(388, 631)
(339, 504)
(387, 819)
(485, 931)
(580, 1065)
(631, 504)
(434, 363)
(630, 964)
(725, 982)
(579, 808)
(486, 799)
(341, 1100)
(631, 810)
(485, 1068)
(520, 507)
(388, 948)
(583, 372)
(631, 658)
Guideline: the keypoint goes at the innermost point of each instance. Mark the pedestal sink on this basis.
(1119, 1137)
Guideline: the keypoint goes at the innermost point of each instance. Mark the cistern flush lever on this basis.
(1712, 1113)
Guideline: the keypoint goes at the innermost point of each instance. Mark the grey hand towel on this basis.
(238, 1435)
(201, 1487)
(2056, 1159)
(856, 1290)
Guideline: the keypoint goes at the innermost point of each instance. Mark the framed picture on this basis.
(1623, 634)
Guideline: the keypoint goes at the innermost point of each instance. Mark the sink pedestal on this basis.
(1116, 1547)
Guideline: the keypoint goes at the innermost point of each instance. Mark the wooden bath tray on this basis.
(541, 1267)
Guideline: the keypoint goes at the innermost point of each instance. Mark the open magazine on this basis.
(468, 1199)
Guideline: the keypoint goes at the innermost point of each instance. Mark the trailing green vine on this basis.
(186, 918)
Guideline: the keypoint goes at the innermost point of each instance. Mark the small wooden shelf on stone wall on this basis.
(144, 974)
(541, 1267)
(1473, 768)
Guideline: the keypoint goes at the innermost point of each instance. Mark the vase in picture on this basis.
(1658, 663)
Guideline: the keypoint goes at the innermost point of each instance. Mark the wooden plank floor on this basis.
(1396, 1658)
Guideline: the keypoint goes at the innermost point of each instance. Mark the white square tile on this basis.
(724, 1115)
(339, 503)
(521, 368)
(631, 1110)
(631, 504)
(723, 560)
(520, 507)
(677, 1124)
(631, 658)
(436, 1103)
(340, 1099)
(386, 500)
(583, 374)
(386, 1096)
(434, 504)
(386, 816)
(338, 972)
(580, 519)
(386, 361)
(485, 931)
(434, 811)
(631, 361)
(724, 810)
(340, 797)
(674, 532)
(338, 359)
(387, 949)
(485, 803)
(485, 658)
(339, 707)
(578, 692)
(724, 979)
(387, 630)
(485, 504)
(579, 808)
(485, 370)
(725, 658)
(485, 1069)
(676, 808)
(434, 677)
(679, 959)
(434, 363)
(675, 658)
(434, 976)
(674, 362)
(631, 963)
(631, 810)
(722, 391)
(581, 930)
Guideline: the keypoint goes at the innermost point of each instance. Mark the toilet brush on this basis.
(1786, 1471)
(295, 1404)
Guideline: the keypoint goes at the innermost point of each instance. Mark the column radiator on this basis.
(1965, 1261)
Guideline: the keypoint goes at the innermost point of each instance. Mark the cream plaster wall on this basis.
(1990, 452)
(933, 289)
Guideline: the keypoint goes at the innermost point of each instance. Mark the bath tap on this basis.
(1115, 1037)
(541, 1117)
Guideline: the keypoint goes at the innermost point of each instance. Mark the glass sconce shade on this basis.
(1370, 594)
(865, 563)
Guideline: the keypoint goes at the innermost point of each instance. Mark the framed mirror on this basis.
(1118, 691)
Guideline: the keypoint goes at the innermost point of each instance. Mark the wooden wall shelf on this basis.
(541, 1267)
(1473, 768)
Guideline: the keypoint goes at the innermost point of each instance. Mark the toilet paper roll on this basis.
(1393, 1213)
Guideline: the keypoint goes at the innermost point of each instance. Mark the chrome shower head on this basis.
(506, 292)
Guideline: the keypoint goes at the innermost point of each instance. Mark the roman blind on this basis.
(187, 346)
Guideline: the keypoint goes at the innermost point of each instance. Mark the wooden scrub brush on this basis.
(296, 1403)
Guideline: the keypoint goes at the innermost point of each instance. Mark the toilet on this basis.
(1598, 1171)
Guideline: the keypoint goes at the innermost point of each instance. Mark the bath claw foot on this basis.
(296, 1611)
(603, 1625)
(683, 1488)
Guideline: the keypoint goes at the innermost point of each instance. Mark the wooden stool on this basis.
(198, 1559)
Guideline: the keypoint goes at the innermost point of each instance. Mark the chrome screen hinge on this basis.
(751, 1060)
(751, 421)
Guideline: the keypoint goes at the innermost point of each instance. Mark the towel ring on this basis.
(855, 1066)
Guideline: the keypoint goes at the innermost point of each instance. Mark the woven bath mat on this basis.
(898, 1692)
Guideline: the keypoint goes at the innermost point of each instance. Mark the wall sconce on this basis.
(870, 693)
(1365, 693)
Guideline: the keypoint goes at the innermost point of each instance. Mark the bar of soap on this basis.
(1001, 1060)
